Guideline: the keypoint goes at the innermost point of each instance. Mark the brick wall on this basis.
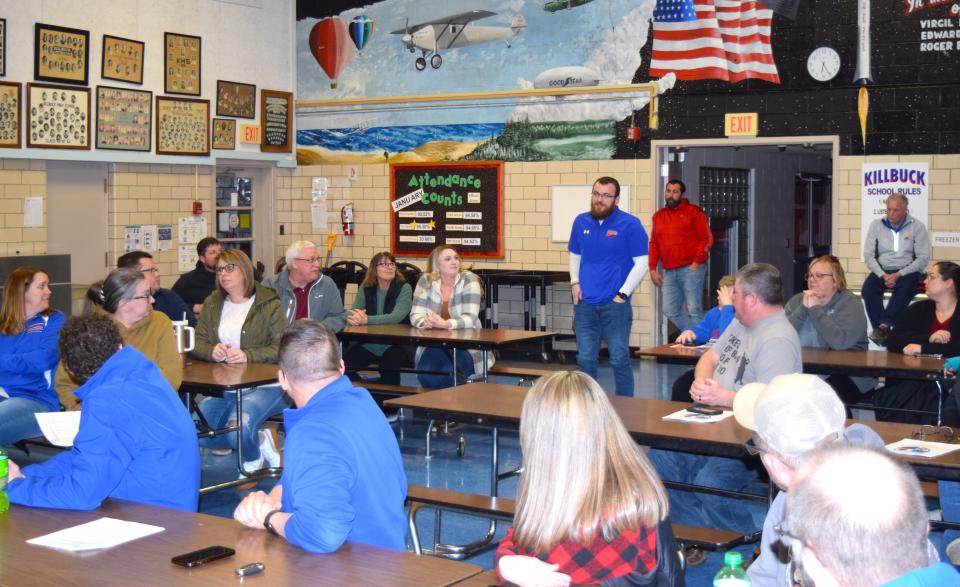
(19, 179)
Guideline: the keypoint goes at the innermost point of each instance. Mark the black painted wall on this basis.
(914, 96)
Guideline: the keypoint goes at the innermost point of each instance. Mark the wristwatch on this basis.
(268, 525)
(622, 295)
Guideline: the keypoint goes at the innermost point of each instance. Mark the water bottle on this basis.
(4, 502)
(732, 573)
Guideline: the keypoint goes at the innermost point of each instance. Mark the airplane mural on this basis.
(555, 5)
(452, 32)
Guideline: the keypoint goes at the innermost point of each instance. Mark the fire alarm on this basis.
(198, 207)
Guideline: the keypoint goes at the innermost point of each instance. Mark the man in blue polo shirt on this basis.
(608, 257)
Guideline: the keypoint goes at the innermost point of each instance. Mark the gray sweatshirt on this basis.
(906, 250)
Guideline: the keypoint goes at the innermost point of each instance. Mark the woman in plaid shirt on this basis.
(590, 507)
(447, 296)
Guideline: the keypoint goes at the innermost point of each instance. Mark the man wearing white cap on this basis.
(790, 417)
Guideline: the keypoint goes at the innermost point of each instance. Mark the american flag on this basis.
(724, 39)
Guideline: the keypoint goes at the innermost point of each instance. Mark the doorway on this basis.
(77, 217)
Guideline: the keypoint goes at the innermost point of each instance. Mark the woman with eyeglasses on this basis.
(590, 506)
(829, 316)
(384, 298)
(29, 328)
(241, 322)
(125, 296)
(927, 327)
(447, 297)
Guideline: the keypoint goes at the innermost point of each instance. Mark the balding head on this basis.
(862, 515)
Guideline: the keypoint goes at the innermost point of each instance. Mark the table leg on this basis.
(495, 461)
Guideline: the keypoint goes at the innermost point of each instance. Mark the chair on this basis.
(410, 272)
(346, 272)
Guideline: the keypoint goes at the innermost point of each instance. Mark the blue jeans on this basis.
(258, 404)
(872, 294)
(705, 510)
(436, 359)
(683, 295)
(610, 322)
(16, 419)
(950, 504)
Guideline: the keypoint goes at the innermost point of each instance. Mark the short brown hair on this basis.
(838, 276)
(243, 263)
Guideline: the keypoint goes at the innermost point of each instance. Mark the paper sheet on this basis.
(909, 447)
(687, 416)
(60, 428)
(102, 533)
(32, 211)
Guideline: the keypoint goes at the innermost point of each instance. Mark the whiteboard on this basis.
(567, 201)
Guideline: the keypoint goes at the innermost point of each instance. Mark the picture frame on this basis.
(3, 47)
(224, 134)
(11, 96)
(236, 99)
(124, 119)
(182, 126)
(122, 59)
(276, 121)
(61, 54)
(58, 117)
(181, 64)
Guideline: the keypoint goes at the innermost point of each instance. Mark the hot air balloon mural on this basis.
(331, 46)
(361, 29)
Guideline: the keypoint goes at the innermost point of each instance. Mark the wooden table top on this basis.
(500, 405)
(225, 377)
(147, 561)
(862, 363)
(465, 338)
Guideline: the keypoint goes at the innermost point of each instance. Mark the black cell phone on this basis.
(202, 556)
(705, 410)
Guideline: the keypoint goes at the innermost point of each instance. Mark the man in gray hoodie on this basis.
(896, 250)
(304, 291)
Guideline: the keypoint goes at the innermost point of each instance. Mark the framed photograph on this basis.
(58, 117)
(10, 115)
(236, 99)
(224, 133)
(61, 54)
(3, 47)
(124, 119)
(276, 112)
(183, 126)
(181, 64)
(122, 60)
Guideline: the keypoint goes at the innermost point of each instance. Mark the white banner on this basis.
(880, 180)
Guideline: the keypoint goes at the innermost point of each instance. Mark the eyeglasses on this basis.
(387, 264)
(926, 276)
(752, 446)
(228, 268)
(143, 297)
(150, 270)
(926, 431)
(310, 260)
(597, 194)
(818, 276)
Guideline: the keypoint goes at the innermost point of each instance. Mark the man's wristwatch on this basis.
(622, 295)
(268, 525)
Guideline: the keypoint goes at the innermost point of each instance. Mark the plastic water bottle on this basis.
(732, 574)
(4, 502)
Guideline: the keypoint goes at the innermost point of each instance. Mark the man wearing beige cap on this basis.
(789, 417)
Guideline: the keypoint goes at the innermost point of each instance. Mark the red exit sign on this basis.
(250, 133)
(741, 124)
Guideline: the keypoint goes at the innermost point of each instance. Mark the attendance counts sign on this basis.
(880, 180)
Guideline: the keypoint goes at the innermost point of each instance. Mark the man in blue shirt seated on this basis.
(343, 476)
(136, 440)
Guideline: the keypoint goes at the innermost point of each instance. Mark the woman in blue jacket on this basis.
(28, 353)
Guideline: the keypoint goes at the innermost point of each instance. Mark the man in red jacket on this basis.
(679, 242)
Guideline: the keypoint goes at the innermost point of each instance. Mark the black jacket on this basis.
(913, 326)
(195, 286)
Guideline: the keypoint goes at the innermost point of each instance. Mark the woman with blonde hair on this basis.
(447, 297)
(590, 507)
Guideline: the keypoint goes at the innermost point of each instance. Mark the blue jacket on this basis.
(343, 476)
(170, 303)
(28, 361)
(136, 442)
(714, 323)
(938, 575)
(606, 252)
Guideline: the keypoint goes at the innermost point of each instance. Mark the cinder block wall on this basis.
(19, 179)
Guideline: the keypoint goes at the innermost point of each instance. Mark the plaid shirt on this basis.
(598, 561)
(464, 307)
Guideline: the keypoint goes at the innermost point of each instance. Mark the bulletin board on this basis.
(459, 204)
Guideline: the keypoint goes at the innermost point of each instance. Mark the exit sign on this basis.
(250, 133)
(740, 124)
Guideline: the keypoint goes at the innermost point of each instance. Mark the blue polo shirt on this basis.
(606, 252)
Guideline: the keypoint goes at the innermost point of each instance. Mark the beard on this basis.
(672, 203)
(601, 214)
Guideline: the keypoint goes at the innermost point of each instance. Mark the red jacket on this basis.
(680, 236)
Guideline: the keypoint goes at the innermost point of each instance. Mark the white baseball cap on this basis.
(791, 414)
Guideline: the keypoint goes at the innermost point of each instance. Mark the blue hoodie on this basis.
(136, 442)
(28, 361)
(713, 324)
